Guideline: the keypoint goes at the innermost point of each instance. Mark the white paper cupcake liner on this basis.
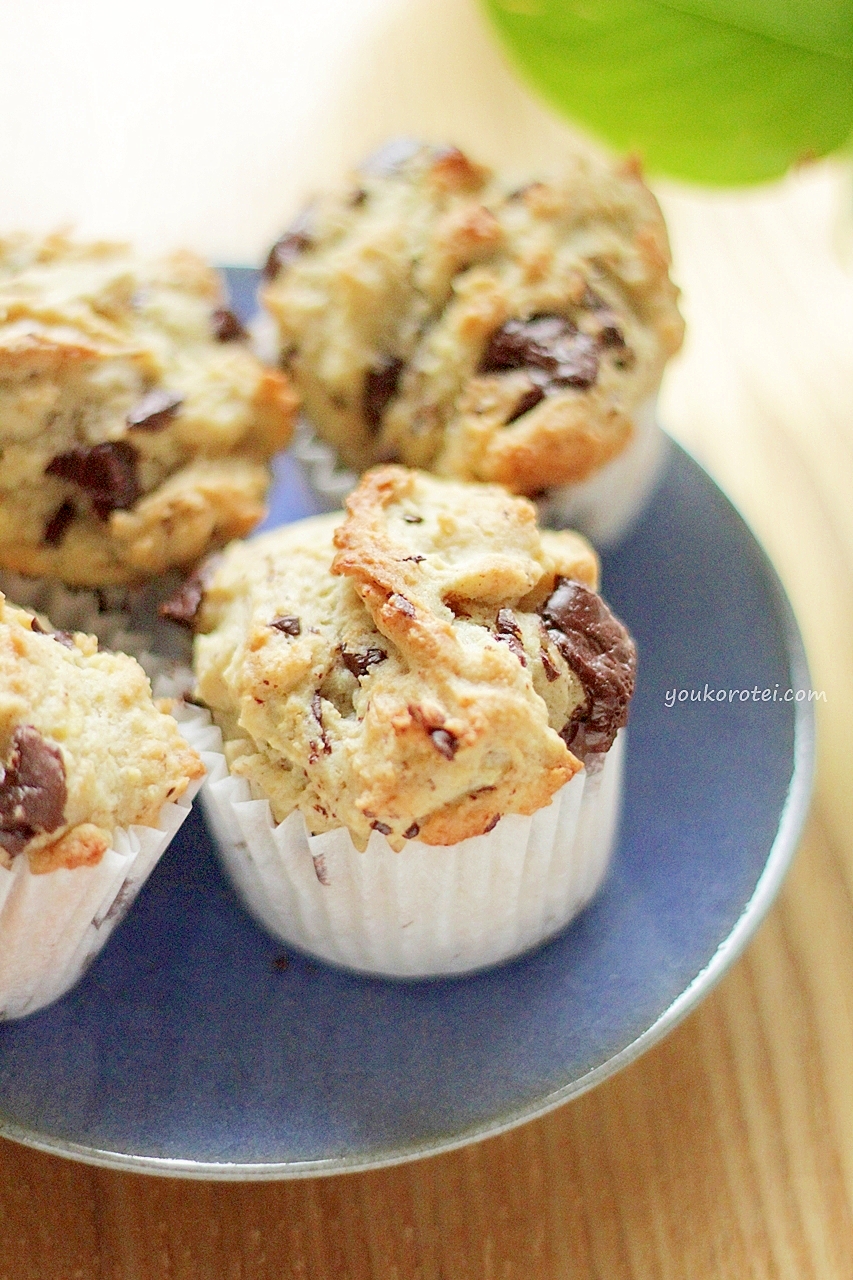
(428, 910)
(604, 507)
(53, 925)
(123, 618)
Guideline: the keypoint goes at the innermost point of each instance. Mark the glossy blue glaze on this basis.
(185, 1042)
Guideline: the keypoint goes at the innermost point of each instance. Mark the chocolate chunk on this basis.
(184, 605)
(226, 326)
(389, 158)
(65, 638)
(32, 790)
(508, 630)
(413, 559)
(598, 648)
(155, 410)
(382, 828)
(360, 663)
(57, 525)
(549, 348)
(106, 472)
(297, 238)
(411, 832)
(529, 400)
(380, 386)
(445, 742)
(551, 672)
(288, 623)
(411, 519)
(493, 822)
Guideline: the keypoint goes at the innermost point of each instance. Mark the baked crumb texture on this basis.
(419, 667)
(135, 423)
(83, 749)
(435, 314)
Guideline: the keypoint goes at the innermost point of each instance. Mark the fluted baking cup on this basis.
(604, 507)
(53, 925)
(428, 910)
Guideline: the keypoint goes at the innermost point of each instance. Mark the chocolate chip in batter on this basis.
(65, 638)
(57, 525)
(529, 400)
(297, 238)
(106, 472)
(381, 827)
(598, 648)
(380, 386)
(226, 326)
(411, 832)
(550, 350)
(155, 410)
(184, 605)
(359, 663)
(508, 630)
(445, 742)
(288, 623)
(32, 790)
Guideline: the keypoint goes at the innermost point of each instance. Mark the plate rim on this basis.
(791, 822)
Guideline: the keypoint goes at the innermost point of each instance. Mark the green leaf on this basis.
(716, 91)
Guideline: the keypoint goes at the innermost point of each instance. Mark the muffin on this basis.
(439, 315)
(135, 422)
(419, 703)
(94, 782)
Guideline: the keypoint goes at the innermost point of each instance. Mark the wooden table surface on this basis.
(727, 1151)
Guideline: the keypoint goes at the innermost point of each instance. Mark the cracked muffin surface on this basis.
(83, 748)
(441, 316)
(420, 666)
(135, 422)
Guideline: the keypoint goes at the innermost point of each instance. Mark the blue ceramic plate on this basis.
(191, 1049)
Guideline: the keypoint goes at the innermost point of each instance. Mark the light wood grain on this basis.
(726, 1153)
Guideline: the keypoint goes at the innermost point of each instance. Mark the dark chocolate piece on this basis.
(296, 239)
(411, 832)
(184, 605)
(155, 410)
(598, 648)
(402, 605)
(360, 663)
(380, 386)
(32, 790)
(412, 519)
(529, 400)
(492, 824)
(288, 623)
(444, 742)
(106, 472)
(549, 348)
(381, 827)
(226, 326)
(317, 713)
(508, 630)
(57, 525)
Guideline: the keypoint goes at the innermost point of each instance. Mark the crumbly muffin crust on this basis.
(135, 423)
(83, 749)
(398, 669)
(437, 315)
